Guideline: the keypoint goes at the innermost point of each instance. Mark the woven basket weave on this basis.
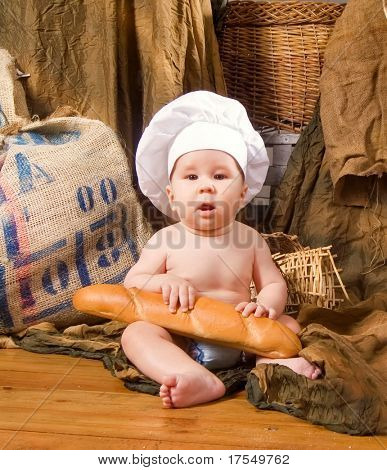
(311, 274)
(272, 56)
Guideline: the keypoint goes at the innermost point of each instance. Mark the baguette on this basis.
(210, 320)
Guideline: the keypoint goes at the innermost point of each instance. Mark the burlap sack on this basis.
(13, 107)
(69, 217)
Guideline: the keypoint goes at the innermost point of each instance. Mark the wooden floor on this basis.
(59, 402)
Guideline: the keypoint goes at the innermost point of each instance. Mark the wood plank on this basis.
(16, 359)
(49, 441)
(5, 437)
(82, 404)
(138, 416)
(76, 380)
(53, 410)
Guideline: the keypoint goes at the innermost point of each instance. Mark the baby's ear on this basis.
(168, 190)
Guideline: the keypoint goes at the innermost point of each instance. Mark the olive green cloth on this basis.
(351, 348)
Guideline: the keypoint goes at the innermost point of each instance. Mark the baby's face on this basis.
(206, 176)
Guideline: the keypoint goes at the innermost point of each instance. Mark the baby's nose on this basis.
(206, 186)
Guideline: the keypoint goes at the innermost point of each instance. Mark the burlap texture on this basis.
(117, 61)
(353, 101)
(69, 216)
(13, 106)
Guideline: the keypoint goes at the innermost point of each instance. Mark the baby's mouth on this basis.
(206, 207)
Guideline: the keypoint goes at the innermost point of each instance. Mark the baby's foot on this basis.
(182, 390)
(297, 364)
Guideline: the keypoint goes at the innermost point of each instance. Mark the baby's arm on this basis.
(271, 286)
(149, 273)
(150, 269)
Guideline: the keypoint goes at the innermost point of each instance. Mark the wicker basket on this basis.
(311, 274)
(272, 56)
(280, 242)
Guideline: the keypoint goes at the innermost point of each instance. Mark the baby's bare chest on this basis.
(210, 266)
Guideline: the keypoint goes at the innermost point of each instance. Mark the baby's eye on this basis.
(222, 177)
(189, 177)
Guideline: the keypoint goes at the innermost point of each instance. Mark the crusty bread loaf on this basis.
(210, 319)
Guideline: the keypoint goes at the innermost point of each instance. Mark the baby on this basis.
(207, 252)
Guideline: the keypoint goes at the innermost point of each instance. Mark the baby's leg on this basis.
(297, 364)
(183, 381)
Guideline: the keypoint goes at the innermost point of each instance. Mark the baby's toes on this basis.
(167, 402)
(316, 373)
(164, 391)
(312, 371)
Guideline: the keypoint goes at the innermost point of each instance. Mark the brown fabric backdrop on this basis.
(353, 101)
(117, 61)
(303, 204)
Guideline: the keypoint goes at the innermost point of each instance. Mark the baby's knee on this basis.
(139, 330)
(134, 330)
(132, 338)
(290, 322)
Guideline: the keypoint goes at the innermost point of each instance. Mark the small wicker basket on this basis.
(272, 56)
(311, 274)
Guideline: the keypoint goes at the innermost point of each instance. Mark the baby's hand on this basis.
(176, 289)
(259, 310)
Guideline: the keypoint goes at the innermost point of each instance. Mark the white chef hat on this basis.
(197, 121)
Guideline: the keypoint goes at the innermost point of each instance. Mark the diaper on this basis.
(213, 356)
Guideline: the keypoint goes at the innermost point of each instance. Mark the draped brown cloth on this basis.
(117, 61)
(303, 204)
(353, 101)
